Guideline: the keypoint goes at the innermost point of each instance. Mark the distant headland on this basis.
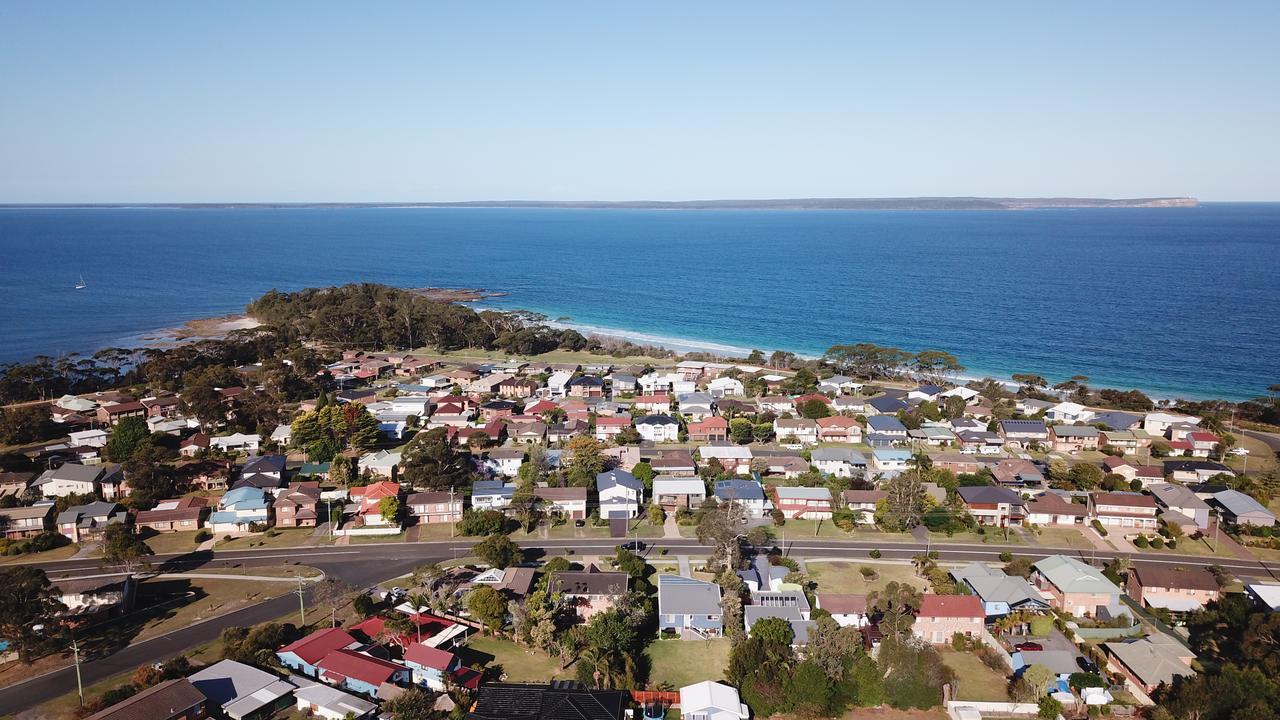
(905, 203)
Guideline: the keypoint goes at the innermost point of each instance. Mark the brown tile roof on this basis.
(165, 700)
(841, 604)
(1181, 577)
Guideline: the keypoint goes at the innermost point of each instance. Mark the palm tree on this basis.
(418, 602)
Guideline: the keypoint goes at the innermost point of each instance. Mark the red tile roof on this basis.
(314, 647)
(364, 668)
(428, 657)
(964, 606)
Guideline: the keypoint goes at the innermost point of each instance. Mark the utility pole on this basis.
(1217, 522)
(75, 649)
(302, 607)
(453, 522)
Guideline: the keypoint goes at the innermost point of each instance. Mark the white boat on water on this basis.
(82, 284)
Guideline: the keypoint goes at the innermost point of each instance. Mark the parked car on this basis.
(1086, 664)
(634, 546)
(1023, 647)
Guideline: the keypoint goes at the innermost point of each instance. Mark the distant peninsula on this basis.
(912, 203)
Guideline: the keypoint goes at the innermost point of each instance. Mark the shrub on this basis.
(1157, 542)
(662, 551)
(1141, 541)
(867, 572)
(874, 554)
(778, 518)
(1050, 708)
(203, 535)
(1098, 526)
(1006, 556)
(1041, 626)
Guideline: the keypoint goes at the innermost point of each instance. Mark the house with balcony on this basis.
(591, 591)
(689, 607)
(608, 428)
(838, 462)
(803, 503)
(298, 505)
(1179, 589)
(993, 506)
(24, 522)
(658, 428)
(619, 493)
(1125, 510)
(709, 430)
(1024, 434)
(439, 506)
(747, 493)
(1073, 438)
(184, 514)
(863, 503)
(1076, 588)
(674, 493)
(840, 429)
(492, 495)
(1050, 508)
(566, 502)
(1001, 594)
(240, 508)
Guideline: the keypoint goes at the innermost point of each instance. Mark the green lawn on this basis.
(368, 539)
(175, 542)
(1060, 537)
(685, 662)
(58, 553)
(993, 536)
(276, 538)
(1188, 546)
(434, 531)
(846, 577)
(802, 529)
(975, 681)
(518, 664)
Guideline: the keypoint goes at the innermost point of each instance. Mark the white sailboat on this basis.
(82, 284)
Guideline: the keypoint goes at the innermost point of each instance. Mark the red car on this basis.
(1023, 647)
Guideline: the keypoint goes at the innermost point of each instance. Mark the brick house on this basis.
(942, 616)
(1177, 589)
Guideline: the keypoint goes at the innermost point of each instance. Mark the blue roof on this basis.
(223, 517)
(892, 454)
(739, 490)
(885, 423)
(243, 496)
(887, 404)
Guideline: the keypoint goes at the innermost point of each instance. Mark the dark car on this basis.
(1023, 647)
(1086, 664)
(634, 546)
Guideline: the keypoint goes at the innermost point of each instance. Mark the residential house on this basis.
(528, 432)
(1125, 510)
(1024, 433)
(439, 506)
(979, 442)
(368, 501)
(175, 699)
(709, 700)
(658, 428)
(1032, 406)
(95, 438)
(586, 386)
(491, 494)
(674, 462)
(383, 463)
(1180, 506)
(1193, 471)
(863, 503)
(933, 435)
(735, 459)
(942, 616)
(674, 493)
(889, 461)
(1068, 413)
(96, 596)
(1265, 596)
(709, 430)
(553, 701)
(849, 405)
(241, 508)
(242, 692)
(803, 503)
(435, 668)
(838, 384)
(303, 656)
(689, 607)
(15, 483)
(993, 506)
(298, 506)
(184, 514)
(1017, 472)
(838, 428)
(1179, 589)
(1000, 594)
(1125, 441)
(1076, 588)
(1050, 508)
(886, 405)
(609, 427)
(747, 493)
(194, 445)
(789, 605)
(885, 430)
(1202, 443)
(506, 461)
(619, 493)
(724, 387)
(846, 610)
(778, 404)
(1073, 438)
(69, 479)
(838, 462)
(331, 703)
(1158, 423)
(590, 591)
(86, 523)
(1240, 509)
(357, 672)
(1151, 661)
(235, 443)
(654, 403)
(113, 413)
(24, 522)
(568, 502)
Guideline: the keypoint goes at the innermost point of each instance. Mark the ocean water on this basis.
(1177, 302)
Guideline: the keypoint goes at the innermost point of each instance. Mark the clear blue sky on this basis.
(312, 101)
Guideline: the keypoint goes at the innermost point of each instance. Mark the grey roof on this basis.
(263, 464)
(994, 586)
(1059, 662)
(227, 680)
(619, 477)
(1239, 504)
(657, 420)
(1174, 495)
(836, 455)
(333, 699)
(679, 595)
(989, 494)
(72, 472)
(96, 509)
(1117, 420)
(1080, 431)
(1152, 662)
(1071, 575)
(887, 404)
(1023, 426)
(493, 487)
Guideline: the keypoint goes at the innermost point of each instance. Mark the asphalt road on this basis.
(367, 565)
